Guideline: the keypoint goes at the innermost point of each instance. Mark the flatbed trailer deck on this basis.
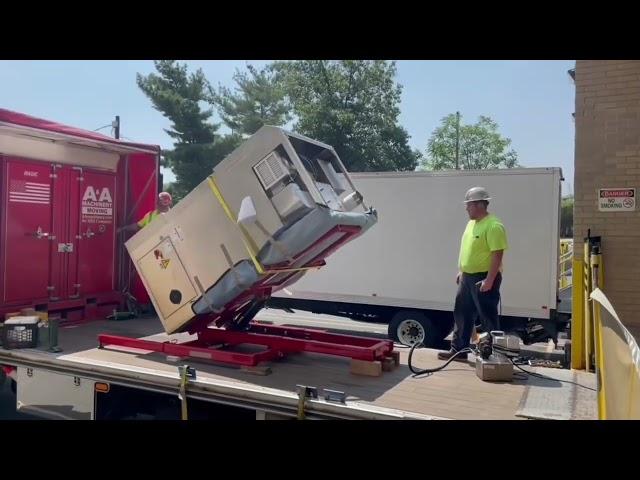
(455, 393)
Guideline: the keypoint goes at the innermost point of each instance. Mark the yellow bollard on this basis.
(577, 317)
(596, 264)
(586, 287)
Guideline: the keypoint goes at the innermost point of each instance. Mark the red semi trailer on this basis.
(64, 192)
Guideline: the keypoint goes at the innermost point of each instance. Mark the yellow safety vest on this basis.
(148, 218)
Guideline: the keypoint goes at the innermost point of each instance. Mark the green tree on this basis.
(480, 146)
(566, 217)
(197, 146)
(170, 187)
(258, 100)
(352, 105)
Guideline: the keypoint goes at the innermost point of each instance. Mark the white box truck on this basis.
(403, 271)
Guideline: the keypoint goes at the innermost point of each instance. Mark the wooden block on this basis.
(362, 367)
(257, 370)
(396, 357)
(388, 364)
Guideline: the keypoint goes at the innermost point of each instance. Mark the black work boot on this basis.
(461, 357)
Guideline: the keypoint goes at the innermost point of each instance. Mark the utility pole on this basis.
(116, 127)
(457, 140)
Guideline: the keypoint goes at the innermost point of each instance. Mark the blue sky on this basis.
(531, 100)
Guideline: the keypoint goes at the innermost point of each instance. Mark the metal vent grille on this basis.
(271, 170)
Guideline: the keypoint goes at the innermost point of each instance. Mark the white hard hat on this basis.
(476, 194)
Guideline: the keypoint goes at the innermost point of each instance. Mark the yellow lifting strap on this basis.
(305, 392)
(301, 406)
(246, 238)
(184, 371)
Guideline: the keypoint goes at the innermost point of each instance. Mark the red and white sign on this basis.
(97, 205)
(616, 199)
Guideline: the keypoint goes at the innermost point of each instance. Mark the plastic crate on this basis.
(20, 332)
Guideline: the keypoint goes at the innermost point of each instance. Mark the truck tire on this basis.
(410, 326)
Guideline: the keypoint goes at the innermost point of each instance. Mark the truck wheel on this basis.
(411, 327)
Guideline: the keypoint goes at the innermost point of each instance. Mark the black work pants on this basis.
(472, 304)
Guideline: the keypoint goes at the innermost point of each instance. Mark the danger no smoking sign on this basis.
(616, 199)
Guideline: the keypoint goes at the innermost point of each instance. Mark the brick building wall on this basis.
(607, 155)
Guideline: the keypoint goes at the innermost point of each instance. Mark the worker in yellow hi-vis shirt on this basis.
(163, 205)
(480, 272)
